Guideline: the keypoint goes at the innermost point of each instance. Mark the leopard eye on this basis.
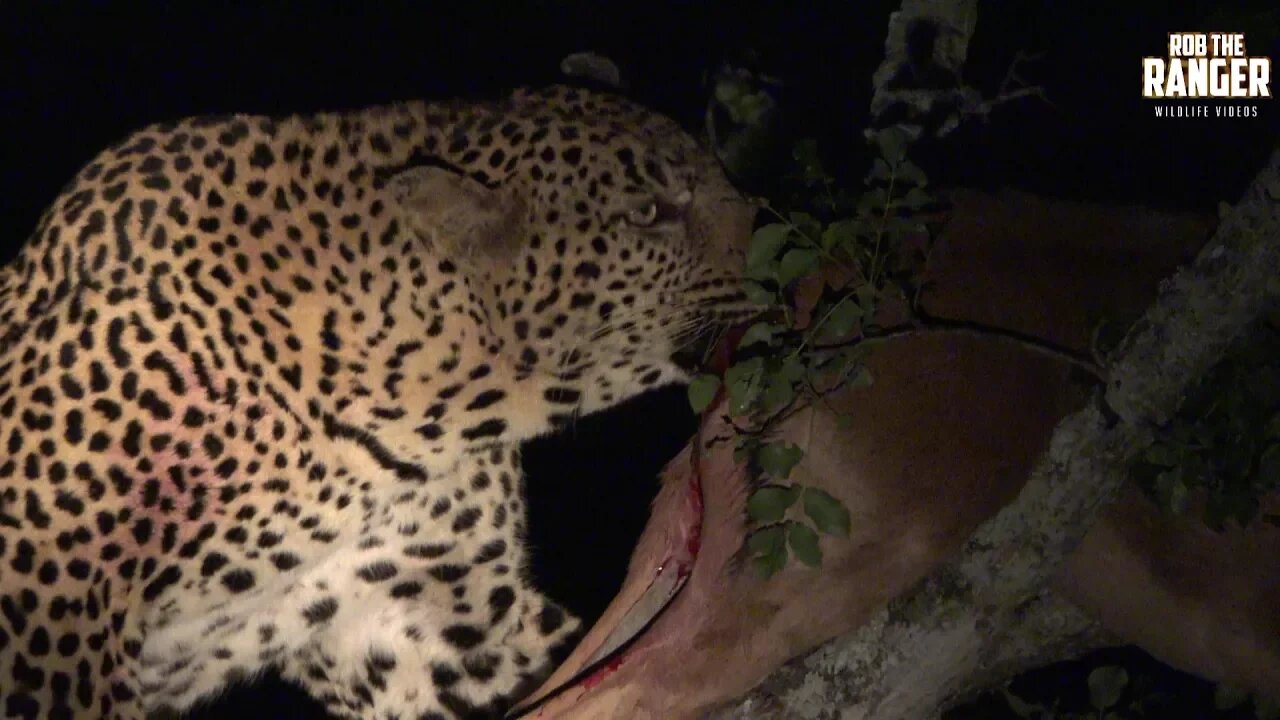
(643, 216)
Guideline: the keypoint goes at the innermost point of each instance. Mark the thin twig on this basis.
(925, 325)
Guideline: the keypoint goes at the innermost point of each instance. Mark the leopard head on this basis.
(597, 239)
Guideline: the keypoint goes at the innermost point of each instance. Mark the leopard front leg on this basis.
(434, 642)
(393, 668)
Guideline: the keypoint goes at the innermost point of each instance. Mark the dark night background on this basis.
(75, 76)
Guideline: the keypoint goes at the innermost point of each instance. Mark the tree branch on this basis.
(919, 81)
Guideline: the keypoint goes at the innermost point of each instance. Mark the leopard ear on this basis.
(459, 217)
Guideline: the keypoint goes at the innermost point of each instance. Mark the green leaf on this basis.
(915, 199)
(745, 104)
(840, 321)
(766, 540)
(743, 381)
(769, 503)
(728, 90)
(1172, 490)
(826, 512)
(1106, 685)
(804, 544)
(841, 233)
(761, 332)
(791, 369)
(797, 262)
(838, 363)
(861, 377)
(702, 392)
(839, 366)
(777, 394)
(879, 170)
(909, 173)
(893, 144)
(873, 202)
(867, 296)
(759, 294)
(742, 397)
(806, 225)
(769, 565)
(744, 370)
(778, 458)
(751, 108)
(765, 244)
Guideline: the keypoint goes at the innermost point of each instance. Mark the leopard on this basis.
(264, 383)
